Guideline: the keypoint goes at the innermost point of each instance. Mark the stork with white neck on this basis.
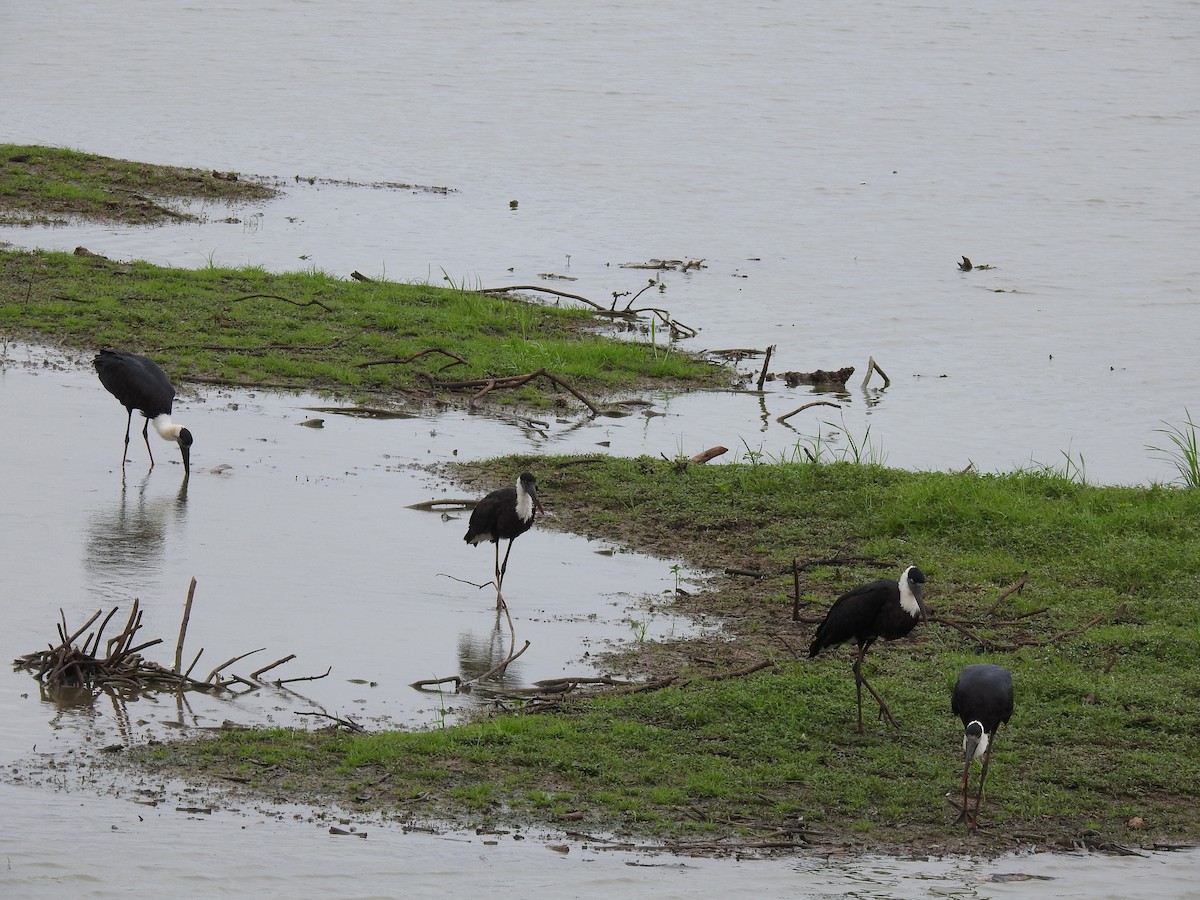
(878, 609)
(983, 699)
(504, 514)
(140, 384)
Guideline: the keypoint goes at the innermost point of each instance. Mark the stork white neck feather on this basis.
(524, 503)
(908, 600)
(167, 430)
(981, 747)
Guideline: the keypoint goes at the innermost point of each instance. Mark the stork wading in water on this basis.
(878, 609)
(504, 514)
(140, 384)
(983, 699)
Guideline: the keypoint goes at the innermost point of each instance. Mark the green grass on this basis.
(1184, 450)
(47, 185)
(1103, 642)
(309, 329)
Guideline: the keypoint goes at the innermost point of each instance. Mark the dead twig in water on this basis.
(762, 376)
(873, 366)
(229, 662)
(499, 669)
(431, 505)
(187, 614)
(426, 683)
(786, 416)
(348, 724)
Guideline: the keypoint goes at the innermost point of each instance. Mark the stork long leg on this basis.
(499, 577)
(964, 814)
(860, 682)
(973, 823)
(146, 438)
(504, 565)
(128, 423)
(501, 568)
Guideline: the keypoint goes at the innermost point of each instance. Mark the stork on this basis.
(878, 609)
(140, 384)
(983, 699)
(504, 514)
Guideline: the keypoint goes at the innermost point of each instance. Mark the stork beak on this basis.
(918, 592)
(536, 501)
(970, 745)
(185, 449)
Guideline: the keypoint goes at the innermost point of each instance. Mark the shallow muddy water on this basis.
(305, 544)
(829, 162)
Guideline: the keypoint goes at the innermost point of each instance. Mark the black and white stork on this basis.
(504, 514)
(983, 699)
(878, 609)
(140, 384)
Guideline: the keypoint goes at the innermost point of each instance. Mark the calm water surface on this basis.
(830, 163)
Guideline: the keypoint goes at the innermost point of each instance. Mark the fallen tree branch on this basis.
(873, 366)
(68, 665)
(313, 302)
(762, 376)
(786, 416)
(187, 614)
(402, 360)
(500, 667)
(348, 724)
(513, 381)
(1015, 588)
(282, 681)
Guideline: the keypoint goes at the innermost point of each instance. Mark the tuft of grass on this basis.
(1184, 450)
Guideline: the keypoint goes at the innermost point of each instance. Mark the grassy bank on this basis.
(52, 186)
(1103, 641)
(251, 327)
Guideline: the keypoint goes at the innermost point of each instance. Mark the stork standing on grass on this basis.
(140, 384)
(983, 699)
(504, 514)
(878, 609)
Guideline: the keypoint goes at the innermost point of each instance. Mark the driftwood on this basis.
(679, 265)
(872, 367)
(786, 416)
(457, 360)
(700, 458)
(433, 505)
(541, 704)
(347, 723)
(706, 455)
(513, 381)
(677, 328)
(818, 376)
(762, 376)
(68, 664)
